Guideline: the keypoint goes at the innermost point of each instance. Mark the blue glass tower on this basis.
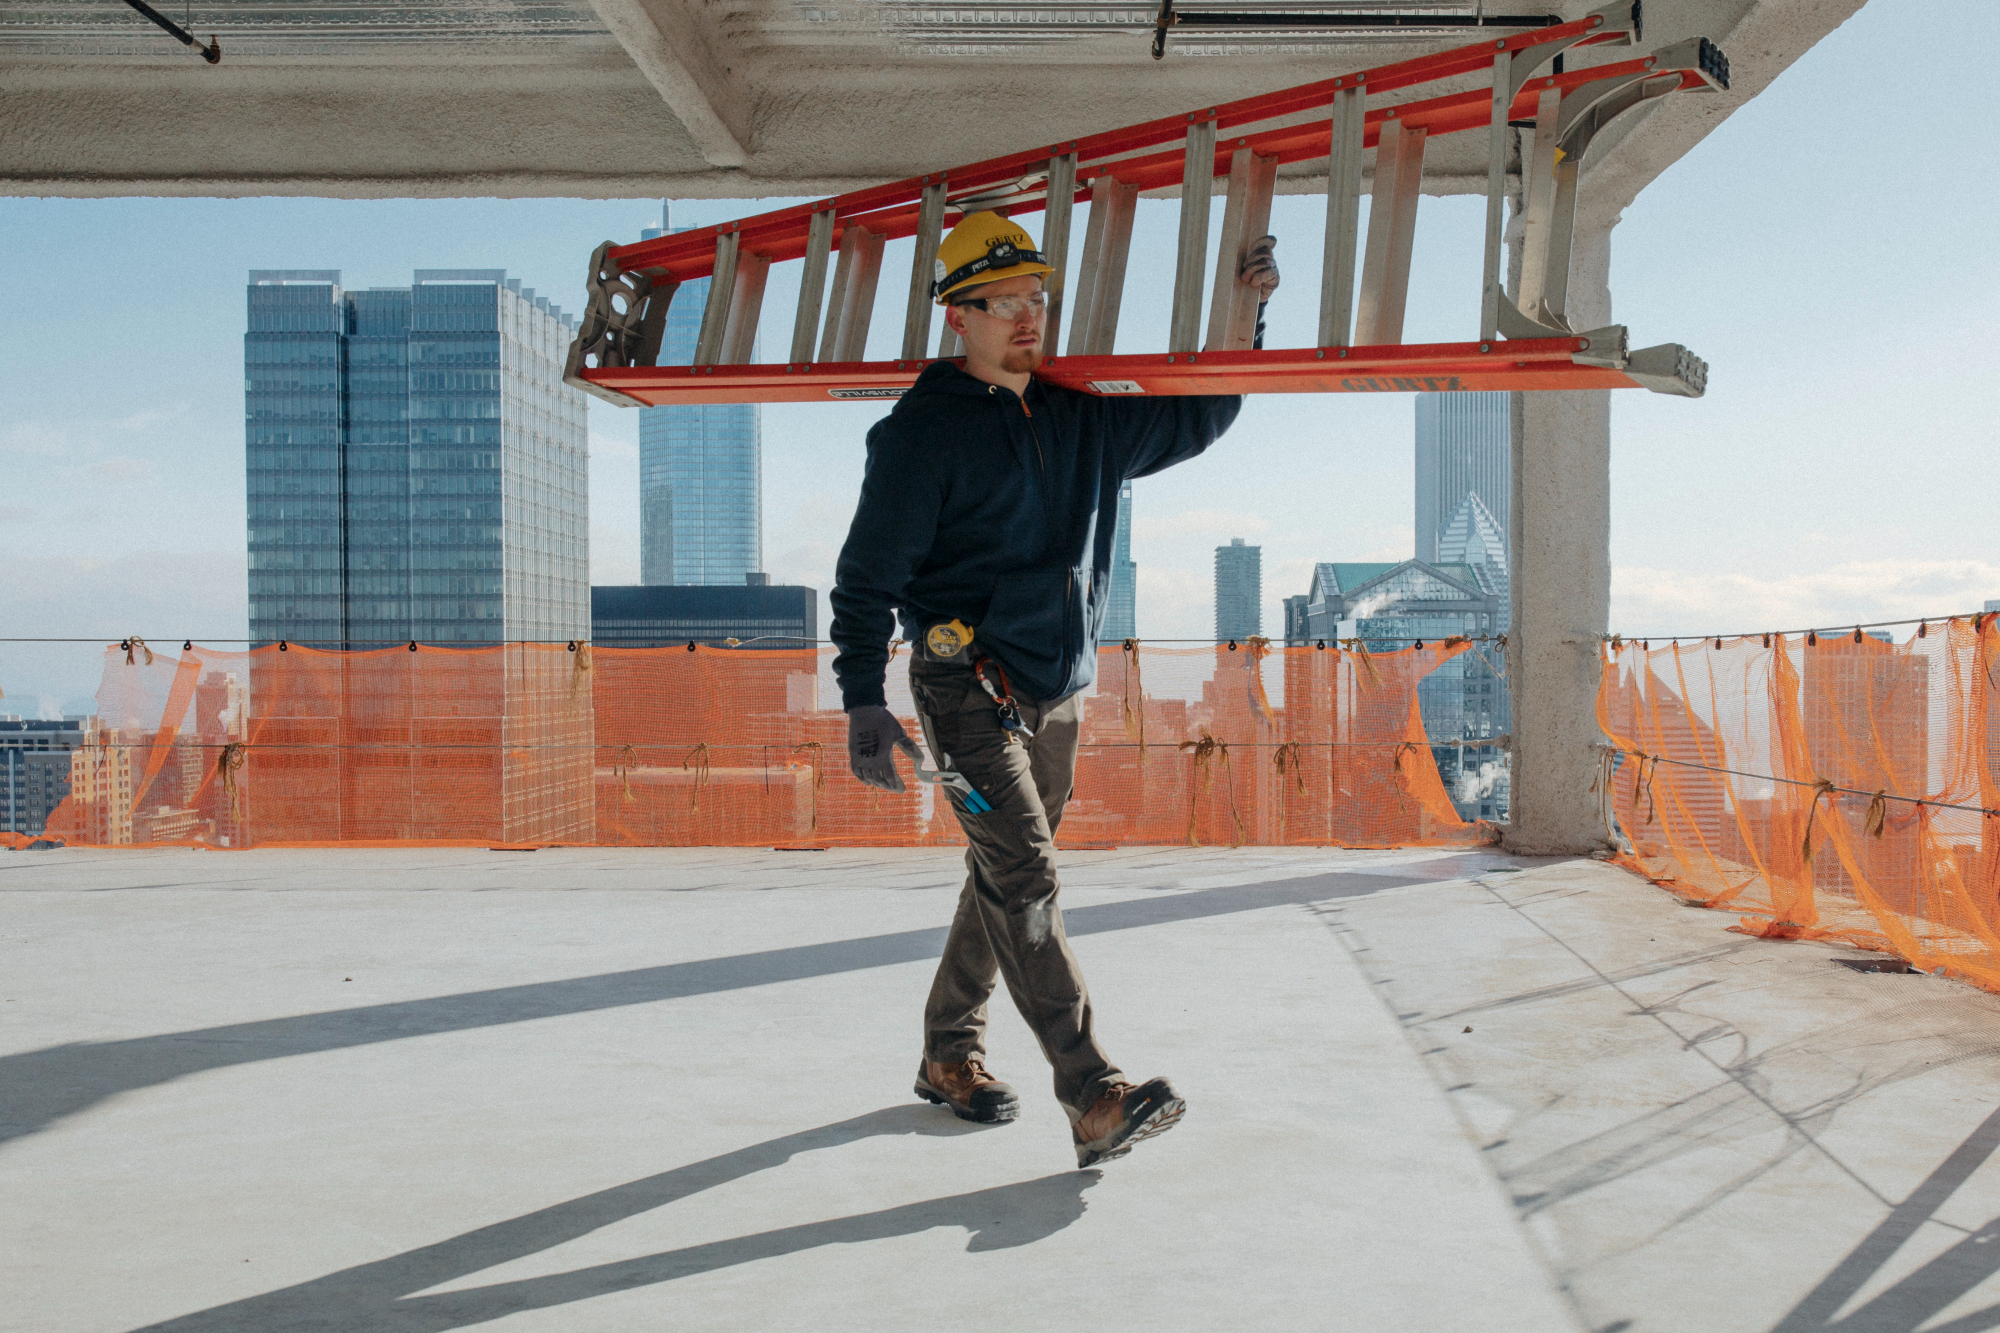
(416, 467)
(701, 496)
(1121, 616)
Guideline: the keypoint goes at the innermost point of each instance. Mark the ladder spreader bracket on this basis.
(1525, 337)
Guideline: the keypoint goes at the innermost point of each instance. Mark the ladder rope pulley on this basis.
(1526, 339)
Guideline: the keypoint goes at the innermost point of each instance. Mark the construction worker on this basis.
(986, 519)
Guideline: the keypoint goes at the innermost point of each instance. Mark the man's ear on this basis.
(954, 319)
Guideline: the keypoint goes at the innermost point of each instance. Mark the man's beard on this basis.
(1022, 360)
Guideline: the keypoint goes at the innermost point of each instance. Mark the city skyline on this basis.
(124, 501)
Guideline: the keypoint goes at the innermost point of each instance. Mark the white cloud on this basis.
(1660, 602)
(614, 554)
(15, 513)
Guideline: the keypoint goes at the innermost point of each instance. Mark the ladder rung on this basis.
(1392, 228)
(1246, 215)
(812, 284)
(1191, 263)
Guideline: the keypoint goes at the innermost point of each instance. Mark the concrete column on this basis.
(1560, 527)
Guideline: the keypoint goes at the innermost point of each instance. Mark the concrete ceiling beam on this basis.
(666, 41)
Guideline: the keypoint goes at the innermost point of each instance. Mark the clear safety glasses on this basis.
(1010, 308)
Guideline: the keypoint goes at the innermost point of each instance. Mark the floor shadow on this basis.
(1917, 1298)
(380, 1295)
(38, 1088)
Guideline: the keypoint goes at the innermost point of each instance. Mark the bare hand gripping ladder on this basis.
(1525, 342)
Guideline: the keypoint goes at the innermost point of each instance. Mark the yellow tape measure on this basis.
(949, 639)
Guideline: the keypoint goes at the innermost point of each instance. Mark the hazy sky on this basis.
(1835, 265)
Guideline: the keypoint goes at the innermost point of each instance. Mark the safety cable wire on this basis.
(1820, 785)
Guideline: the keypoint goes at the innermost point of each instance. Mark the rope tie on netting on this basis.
(1607, 760)
(1260, 648)
(1877, 817)
(628, 758)
(1135, 689)
(1359, 647)
(1290, 761)
(580, 668)
(1400, 778)
(1206, 752)
(698, 757)
(227, 762)
(816, 755)
(895, 645)
(135, 644)
(1821, 787)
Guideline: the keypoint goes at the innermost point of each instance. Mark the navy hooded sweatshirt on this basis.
(999, 510)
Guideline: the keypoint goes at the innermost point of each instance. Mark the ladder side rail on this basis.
(721, 294)
(843, 276)
(746, 307)
(1061, 200)
(1343, 215)
(1232, 321)
(930, 230)
(781, 233)
(1392, 220)
(1121, 203)
(812, 286)
(858, 309)
(1191, 263)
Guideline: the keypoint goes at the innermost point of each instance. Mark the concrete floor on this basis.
(583, 1090)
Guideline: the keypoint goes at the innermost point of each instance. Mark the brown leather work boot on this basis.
(970, 1092)
(1123, 1115)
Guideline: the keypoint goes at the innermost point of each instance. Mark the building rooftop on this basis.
(600, 1089)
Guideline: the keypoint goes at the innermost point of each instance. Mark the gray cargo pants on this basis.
(1008, 923)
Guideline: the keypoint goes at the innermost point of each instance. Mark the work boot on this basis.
(1123, 1115)
(970, 1092)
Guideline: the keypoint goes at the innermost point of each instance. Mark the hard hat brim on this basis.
(997, 275)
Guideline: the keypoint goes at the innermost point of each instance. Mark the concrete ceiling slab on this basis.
(704, 98)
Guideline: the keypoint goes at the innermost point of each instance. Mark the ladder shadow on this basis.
(381, 1295)
(40, 1087)
(1915, 1299)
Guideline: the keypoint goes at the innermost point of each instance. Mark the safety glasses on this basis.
(1009, 308)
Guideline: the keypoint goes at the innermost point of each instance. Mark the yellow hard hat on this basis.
(984, 247)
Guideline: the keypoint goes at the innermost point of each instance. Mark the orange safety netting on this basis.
(539, 745)
(1763, 776)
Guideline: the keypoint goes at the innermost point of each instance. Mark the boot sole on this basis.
(994, 1115)
(1163, 1118)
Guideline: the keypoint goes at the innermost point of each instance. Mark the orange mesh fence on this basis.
(541, 744)
(1827, 787)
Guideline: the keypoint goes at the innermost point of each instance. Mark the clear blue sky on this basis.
(1836, 267)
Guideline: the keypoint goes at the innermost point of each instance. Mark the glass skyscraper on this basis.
(417, 474)
(701, 487)
(417, 469)
(1121, 617)
(1463, 448)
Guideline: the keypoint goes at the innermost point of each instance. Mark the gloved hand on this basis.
(873, 736)
(1260, 267)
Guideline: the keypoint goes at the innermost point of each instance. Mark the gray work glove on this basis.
(1260, 267)
(873, 737)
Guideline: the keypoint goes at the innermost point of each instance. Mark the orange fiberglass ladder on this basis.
(1525, 340)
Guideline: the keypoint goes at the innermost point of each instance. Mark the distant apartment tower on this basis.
(1239, 590)
(417, 469)
(34, 770)
(417, 474)
(1121, 617)
(701, 497)
(1462, 449)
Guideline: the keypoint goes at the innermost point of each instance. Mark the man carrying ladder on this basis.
(986, 518)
